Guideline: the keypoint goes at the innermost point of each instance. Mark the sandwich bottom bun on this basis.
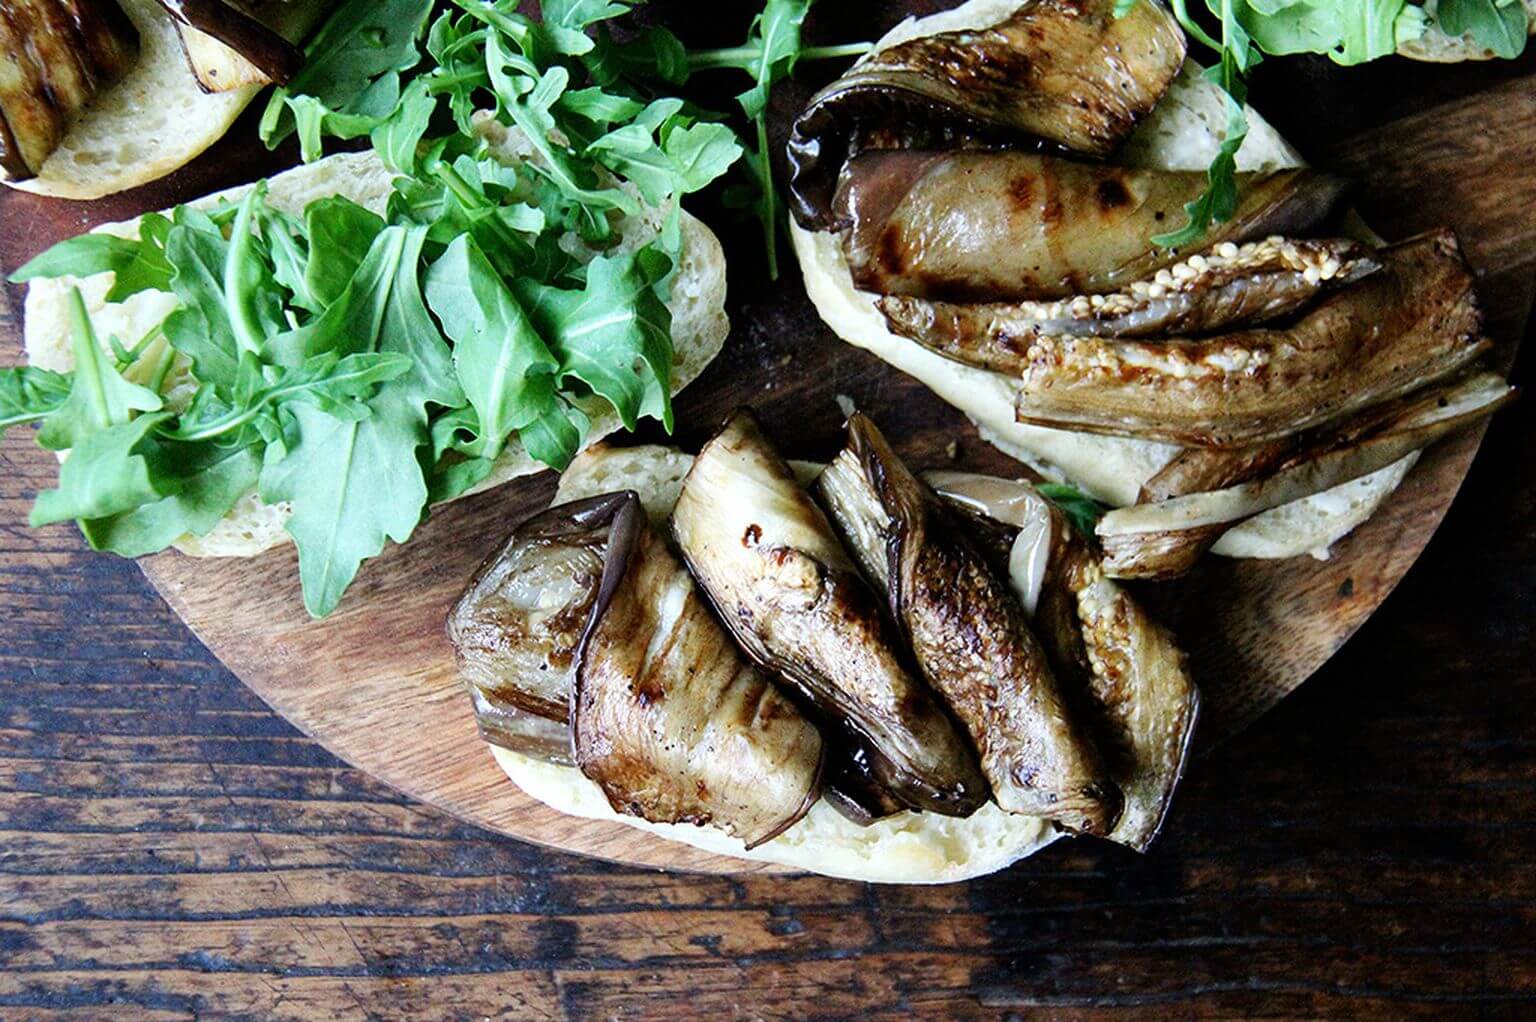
(1435, 45)
(697, 303)
(909, 848)
(154, 121)
(1183, 133)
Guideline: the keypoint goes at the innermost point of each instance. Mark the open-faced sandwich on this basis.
(851, 669)
(991, 201)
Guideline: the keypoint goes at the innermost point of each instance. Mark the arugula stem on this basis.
(746, 57)
(137, 351)
(511, 25)
(162, 369)
(768, 211)
(471, 200)
(1181, 11)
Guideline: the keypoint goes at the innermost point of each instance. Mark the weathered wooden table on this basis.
(171, 849)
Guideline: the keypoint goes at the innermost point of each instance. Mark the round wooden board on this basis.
(375, 683)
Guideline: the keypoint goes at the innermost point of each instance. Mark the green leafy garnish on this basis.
(1081, 510)
(770, 54)
(1346, 31)
(358, 364)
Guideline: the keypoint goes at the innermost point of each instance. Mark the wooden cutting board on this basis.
(375, 683)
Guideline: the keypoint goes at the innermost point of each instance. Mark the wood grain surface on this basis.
(169, 848)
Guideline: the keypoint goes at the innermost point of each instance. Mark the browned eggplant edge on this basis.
(853, 804)
(269, 52)
(627, 520)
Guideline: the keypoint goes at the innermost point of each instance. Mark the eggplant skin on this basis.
(55, 56)
(272, 56)
(970, 637)
(1415, 322)
(1139, 684)
(1263, 282)
(667, 718)
(1122, 673)
(1066, 72)
(517, 626)
(1162, 540)
(983, 226)
(786, 589)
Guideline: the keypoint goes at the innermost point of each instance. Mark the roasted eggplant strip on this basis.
(969, 635)
(1124, 673)
(55, 56)
(666, 716)
(1069, 73)
(1415, 322)
(516, 628)
(1164, 540)
(784, 586)
(206, 23)
(504, 725)
(977, 226)
(852, 788)
(1263, 281)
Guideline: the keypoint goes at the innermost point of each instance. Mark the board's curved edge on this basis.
(591, 838)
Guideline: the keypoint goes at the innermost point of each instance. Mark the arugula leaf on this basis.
(99, 398)
(506, 370)
(399, 136)
(1081, 510)
(773, 46)
(84, 256)
(1219, 200)
(340, 235)
(363, 43)
(211, 479)
(28, 394)
(1499, 26)
(329, 382)
(614, 335)
(555, 437)
(525, 97)
(353, 485)
(107, 473)
(200, 328)
(776, 33)
(666, 156)
(250, 294)
(356, 484)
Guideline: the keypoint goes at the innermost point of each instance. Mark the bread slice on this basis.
(699, 322)
(1183, 133)
(911, 848)
(140, 129)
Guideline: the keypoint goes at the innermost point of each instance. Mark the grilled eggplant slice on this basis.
(977, 226)
(228, 46)
(1066, 72)
(784, 586)
(1415, 322)
(516, 629)
(666, 716)
(853, 789)
(55, 56)
(970, 637)
(1163, 540)
(1127, 675)
(1264, 281)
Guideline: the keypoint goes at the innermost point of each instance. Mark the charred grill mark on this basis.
(1111, 195)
